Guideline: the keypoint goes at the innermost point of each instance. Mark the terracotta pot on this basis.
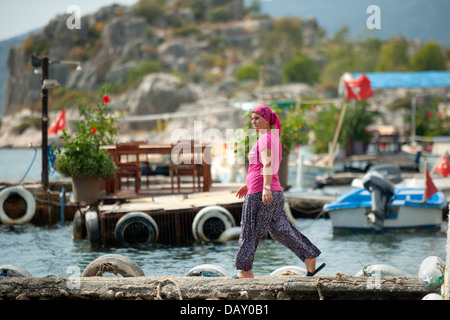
(86, 189)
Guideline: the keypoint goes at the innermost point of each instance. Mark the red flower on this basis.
(429, 115)
(94, 130)
(106, 99)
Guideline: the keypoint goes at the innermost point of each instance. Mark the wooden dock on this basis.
(337, 287)
(173, 214)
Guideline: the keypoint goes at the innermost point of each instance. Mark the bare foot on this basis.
(310, 264)
(245, 274)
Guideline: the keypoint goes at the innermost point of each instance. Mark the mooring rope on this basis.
(160, 284)
(340, 278)
(29, 167)
(106, 267)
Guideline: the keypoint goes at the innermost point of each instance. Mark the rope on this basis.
(160, 284)
(29, 167)
(106, 267)
(439, 280)
(340, 278)
(51, 159)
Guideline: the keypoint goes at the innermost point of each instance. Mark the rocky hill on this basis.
(186, 54)
(182, 56)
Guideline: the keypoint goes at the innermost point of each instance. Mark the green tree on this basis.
(343, 56)
(249, 72)
(356, 121)
(301, 69)
(354, 126)
(394, 56)
(151, 10)
(429, 57)
(324, 127)
(282, 42)
(430, 121)
(219, 14)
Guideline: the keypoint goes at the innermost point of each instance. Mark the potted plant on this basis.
(82, 157)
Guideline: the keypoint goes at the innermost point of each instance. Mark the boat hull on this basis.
(407, 211)
(406, 219)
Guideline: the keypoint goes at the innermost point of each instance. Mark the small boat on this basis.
(380, 206)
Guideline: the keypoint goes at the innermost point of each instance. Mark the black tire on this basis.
(136, 228)
(79, 226)
(210, 222)
(92, 228)
(8, 270)
(113, 263)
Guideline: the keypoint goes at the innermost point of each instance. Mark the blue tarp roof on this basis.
(420, 79)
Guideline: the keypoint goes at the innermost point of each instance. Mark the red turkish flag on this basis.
(443, 167)
(430, 188)
(59, 124)
(359, 88)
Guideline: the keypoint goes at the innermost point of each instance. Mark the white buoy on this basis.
(289, 270)
(380, 270)
(433, 296)
(207, 270)
(430, 273)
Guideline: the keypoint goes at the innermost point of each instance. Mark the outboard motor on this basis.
(381, 191)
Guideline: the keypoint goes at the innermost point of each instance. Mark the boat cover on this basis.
(419, 79)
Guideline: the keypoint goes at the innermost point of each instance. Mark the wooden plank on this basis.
(175, 202)
(295, 287)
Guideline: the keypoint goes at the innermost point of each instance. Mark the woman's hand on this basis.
(242, 192)
(266, 196)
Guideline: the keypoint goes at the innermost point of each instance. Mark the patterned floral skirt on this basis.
(257, 218)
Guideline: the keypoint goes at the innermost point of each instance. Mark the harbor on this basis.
(132, 135)
(158, 245)
(55, 256)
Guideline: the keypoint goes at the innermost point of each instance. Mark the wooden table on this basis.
(166, 148)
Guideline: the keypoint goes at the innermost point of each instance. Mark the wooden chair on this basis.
(127, 161)
(186, 160)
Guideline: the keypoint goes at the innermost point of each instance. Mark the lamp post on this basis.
(44, 123)
(44, 63)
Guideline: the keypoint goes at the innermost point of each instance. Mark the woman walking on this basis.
(263, 207)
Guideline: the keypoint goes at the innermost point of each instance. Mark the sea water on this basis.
(51, 250)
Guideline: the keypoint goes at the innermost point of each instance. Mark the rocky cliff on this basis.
(115, 40)
(186, 55)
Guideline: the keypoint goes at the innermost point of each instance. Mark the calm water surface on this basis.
(50, 250)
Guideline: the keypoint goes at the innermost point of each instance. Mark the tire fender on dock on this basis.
(26, 196)
(210, 222)
(92, 228)
(8, 270)
(136, 228)
(433, 296)
(289, 270)
(79, 226)
(207, 270)
(113, 263)
(230, 234)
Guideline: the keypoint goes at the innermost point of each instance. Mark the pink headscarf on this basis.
(269, 115)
